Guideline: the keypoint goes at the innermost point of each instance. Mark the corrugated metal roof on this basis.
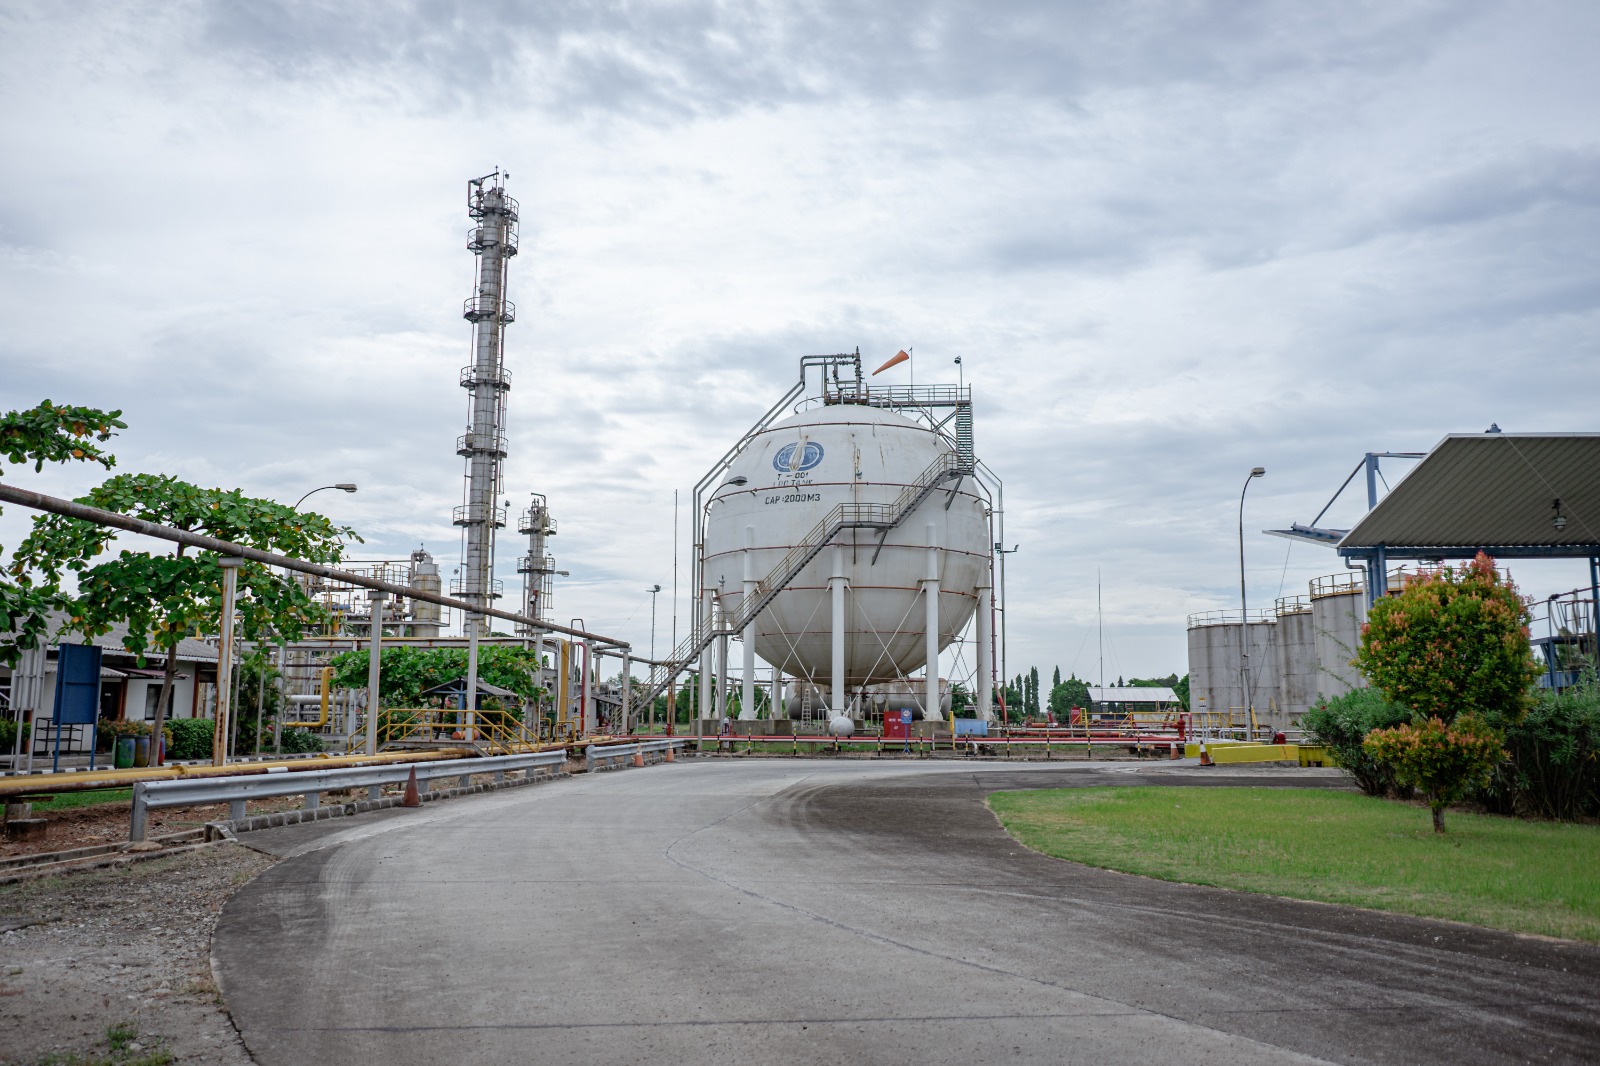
(1132, 694)
(189, 650)
(1492, 489)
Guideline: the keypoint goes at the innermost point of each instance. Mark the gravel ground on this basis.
(107, 823)
(80, 953)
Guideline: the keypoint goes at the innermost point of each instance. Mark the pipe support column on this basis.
(985, 653)
(747, 694)
(374, 668)
(930, 597)
(219, 735)
(836, 585)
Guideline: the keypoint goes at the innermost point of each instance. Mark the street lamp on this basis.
(1244, 612)
(961, 376)
(343, 486)
(652, 590)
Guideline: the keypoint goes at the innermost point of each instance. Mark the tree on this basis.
(1440, 760)
(161, 598)
(44, 434)
(1032, 692)
(405, 673)
(1065, 695)
(1452, 642)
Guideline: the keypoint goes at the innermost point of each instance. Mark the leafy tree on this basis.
(1065, 695)
(162, 598)
(961, 702)
(44, 434)
(405, 672)
(1441, 760)
(1451, 642)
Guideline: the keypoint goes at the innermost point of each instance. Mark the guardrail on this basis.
(235, 791)
(600, 756)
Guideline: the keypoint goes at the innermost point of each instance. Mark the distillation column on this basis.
(538, 567)
(494, 240)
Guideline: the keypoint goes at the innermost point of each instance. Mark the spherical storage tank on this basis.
(790, 477)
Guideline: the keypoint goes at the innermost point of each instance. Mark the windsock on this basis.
(899, 357)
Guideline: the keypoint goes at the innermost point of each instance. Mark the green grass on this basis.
(1337, 847)
(62, 800)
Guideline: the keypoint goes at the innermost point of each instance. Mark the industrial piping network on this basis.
(38, 501)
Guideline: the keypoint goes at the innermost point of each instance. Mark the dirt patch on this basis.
(130, 946)
(107, 823)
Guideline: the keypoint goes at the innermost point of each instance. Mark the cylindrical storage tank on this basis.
(1338, 611)
(1216, 682)
(791, 477)
(1296, 647)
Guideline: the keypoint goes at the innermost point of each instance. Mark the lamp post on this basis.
(1244, 611)
(961, 376)
(343, 486)
(653, 589)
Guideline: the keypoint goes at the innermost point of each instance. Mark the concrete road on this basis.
(820, 912)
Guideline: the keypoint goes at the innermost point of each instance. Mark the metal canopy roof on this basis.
(1490, 491)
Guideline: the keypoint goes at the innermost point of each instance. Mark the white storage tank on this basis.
(788, 479)
(1296, 649)
(1215, 681)
(1338, 611)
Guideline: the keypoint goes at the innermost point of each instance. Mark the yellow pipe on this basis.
(327, 684)
(50, 784)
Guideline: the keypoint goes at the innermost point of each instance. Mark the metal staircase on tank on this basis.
(883, 517)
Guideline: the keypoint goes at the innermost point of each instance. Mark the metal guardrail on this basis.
(235, 791)
(595, 754)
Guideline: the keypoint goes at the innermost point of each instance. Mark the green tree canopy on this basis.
(1451, 642)
(405, 673)
(162, 598)
(45, 434)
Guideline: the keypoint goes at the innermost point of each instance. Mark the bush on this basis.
(1452, 642)
(8, 735)
(299, 742)
(1553, 768)
(189, 738)
(1342, 725)
(1441, 760)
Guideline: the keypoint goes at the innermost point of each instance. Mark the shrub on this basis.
(1442, 760)
(1342, 724)
(1452, 642)
(189, 738)
(299, 742)
(8, 735)
(1553, 768)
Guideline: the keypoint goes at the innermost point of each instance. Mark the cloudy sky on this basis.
(1170, 241)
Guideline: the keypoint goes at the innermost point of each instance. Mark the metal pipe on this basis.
(930, 596)
(70, 509)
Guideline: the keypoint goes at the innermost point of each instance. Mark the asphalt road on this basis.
(777, 911)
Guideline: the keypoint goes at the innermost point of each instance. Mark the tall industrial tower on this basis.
(538, 567)
(493, 239)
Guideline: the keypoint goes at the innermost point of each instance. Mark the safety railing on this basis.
(490, 730)
(275, 782)
(606, 756)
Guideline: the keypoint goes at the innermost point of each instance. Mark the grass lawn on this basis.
(1337, 847)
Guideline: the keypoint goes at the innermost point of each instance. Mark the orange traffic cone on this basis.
(412, 798)
(638, 758)
(1205, 756)
(1172, 751)
(667, 756)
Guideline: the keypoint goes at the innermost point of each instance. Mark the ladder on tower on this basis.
(883, 517)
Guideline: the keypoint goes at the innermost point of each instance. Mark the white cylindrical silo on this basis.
(1297, 660)
(1338, 611)
(791, 477)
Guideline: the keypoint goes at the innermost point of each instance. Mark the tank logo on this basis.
(792, 459)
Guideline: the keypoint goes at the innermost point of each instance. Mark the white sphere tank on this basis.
(786, 480)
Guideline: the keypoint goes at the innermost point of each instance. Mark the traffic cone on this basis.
(1205, 756)
(667, 756)
(638, 758)
(412, 798)
(1172, 750)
